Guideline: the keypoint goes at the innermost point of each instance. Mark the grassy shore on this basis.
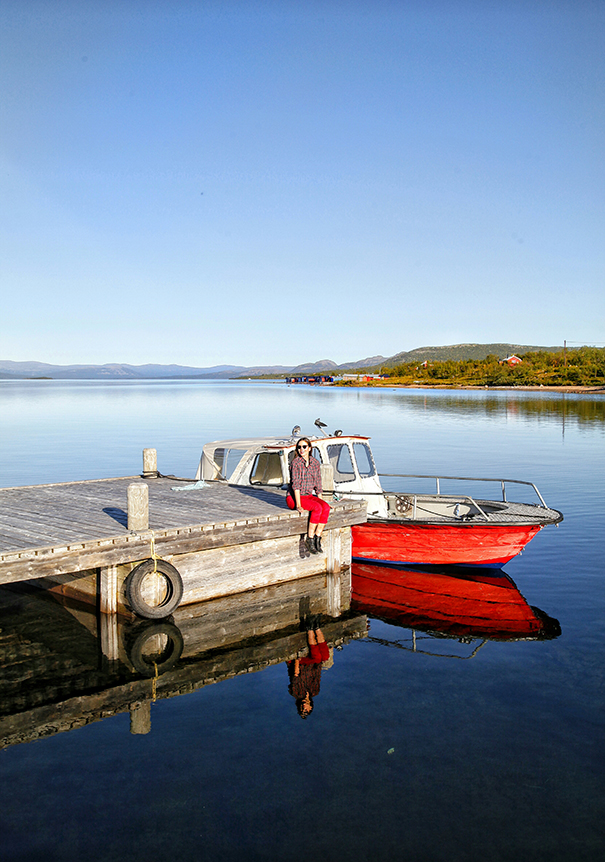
(389, 384)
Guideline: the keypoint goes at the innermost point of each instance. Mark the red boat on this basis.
(403, 526)
(458, 604)
(425, 543)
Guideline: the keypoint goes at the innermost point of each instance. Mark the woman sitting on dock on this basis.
(305, 493)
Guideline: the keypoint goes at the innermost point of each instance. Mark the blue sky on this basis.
(279, 182)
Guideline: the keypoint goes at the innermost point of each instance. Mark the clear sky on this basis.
(276, 182)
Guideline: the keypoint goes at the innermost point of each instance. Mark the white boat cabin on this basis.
(265, 462)
(348, 468)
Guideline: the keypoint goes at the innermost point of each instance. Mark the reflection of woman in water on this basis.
(305, 673)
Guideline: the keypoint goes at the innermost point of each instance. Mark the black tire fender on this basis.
(174, 589)
(138, 637)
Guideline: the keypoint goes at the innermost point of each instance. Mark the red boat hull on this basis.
(436, 544)
(455, 605)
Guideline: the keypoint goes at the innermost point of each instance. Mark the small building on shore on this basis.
(362, 378)
(312, 379)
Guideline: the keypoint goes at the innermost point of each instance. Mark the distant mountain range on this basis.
(10, 370)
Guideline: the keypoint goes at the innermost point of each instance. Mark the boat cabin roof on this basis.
(278, 442)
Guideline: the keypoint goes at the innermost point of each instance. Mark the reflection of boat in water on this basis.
(458, 603)
(63, 665)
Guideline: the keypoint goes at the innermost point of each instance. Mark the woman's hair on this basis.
(304, 440)
(300, 702)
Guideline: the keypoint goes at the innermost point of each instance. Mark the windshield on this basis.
(340, 459)
(363, 457)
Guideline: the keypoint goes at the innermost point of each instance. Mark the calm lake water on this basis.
(443, 753)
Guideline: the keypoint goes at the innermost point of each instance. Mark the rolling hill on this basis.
(11, 370)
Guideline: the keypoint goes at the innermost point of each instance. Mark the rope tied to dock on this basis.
(153, 554)
(154, 683)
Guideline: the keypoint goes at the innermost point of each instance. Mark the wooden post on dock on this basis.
(338, 579)
(333, 594)
(138, 506)
(108, 606)
(150, 464)
(327, 481)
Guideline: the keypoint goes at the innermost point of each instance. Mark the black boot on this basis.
(310, 543)
(318, 547)
(308, 623)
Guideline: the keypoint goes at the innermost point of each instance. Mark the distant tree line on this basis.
(582, 367)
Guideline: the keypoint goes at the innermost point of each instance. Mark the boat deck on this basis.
(428, 509)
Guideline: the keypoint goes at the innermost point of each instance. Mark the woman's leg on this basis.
(316, 507)
(322, 514)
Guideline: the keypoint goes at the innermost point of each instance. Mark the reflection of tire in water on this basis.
(154, 647)
(154, 589)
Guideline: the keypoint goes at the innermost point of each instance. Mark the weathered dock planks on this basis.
(223, 539)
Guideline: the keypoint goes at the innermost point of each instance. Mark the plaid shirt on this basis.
(305, 479)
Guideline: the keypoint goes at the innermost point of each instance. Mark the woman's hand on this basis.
(300, 509)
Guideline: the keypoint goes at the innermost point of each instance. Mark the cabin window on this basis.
(365, 462)
(340, 459)
(266, 469)
(231, 459)
(213, 468)
(221, 463)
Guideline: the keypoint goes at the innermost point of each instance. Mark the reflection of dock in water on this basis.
(56, 673)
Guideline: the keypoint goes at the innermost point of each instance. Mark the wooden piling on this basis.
(327, 481)
(138, 506)
(150, 464)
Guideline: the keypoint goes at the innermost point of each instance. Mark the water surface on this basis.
(406, 754)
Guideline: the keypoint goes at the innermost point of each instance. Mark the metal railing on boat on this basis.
(438, 479)
(458, 498)
(397, 644)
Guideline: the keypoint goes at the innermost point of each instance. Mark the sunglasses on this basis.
(302, 446)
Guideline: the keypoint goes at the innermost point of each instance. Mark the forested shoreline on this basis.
(582, 367)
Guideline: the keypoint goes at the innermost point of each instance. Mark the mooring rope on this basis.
(153, 554)
(154, 683)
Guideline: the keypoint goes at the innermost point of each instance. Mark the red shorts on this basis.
(317, 653)
(320, 511)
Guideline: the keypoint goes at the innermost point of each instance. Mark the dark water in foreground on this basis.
(447, 752)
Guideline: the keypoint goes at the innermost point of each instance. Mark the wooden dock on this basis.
(222, 539)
